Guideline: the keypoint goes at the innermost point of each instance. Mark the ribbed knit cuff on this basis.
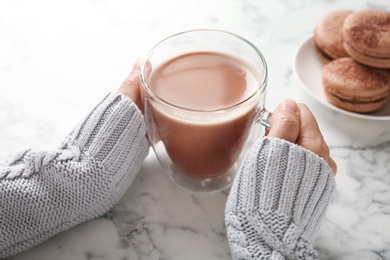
(114, 115)
(114, 134)
(280, 194)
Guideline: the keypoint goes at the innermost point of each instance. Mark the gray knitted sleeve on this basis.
(45, 192)
(277, 202)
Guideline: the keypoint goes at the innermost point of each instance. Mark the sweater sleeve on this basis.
(277, 202)
(45, 192)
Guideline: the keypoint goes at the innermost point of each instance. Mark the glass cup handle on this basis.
(263, 117)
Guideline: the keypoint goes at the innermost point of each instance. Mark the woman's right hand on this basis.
(295, 123)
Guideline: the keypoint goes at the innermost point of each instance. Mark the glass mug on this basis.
(200, 147)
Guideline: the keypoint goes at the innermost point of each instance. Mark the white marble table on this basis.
(58, 59)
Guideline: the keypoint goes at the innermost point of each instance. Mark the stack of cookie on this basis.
(355, 48)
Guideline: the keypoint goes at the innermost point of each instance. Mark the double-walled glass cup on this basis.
(200, 149)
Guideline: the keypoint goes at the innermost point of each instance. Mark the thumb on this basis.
(285, 121)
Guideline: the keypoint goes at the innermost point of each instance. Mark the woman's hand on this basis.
(295, 123)
(131, 87)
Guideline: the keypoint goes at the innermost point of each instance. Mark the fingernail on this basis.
(290, 105)
(137, 65)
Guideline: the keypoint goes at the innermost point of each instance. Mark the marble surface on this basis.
(59, 58)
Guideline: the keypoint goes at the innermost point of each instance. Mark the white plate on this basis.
(308, 67)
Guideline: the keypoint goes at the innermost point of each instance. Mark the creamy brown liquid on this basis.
(206, 81)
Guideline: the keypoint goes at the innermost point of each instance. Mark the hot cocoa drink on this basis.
(200, 122)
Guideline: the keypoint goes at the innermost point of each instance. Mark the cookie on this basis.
(328, 36)
(355, 87)
(366, 36)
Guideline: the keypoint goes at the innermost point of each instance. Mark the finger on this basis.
(285, 121)
(131, 86)
(311, 137)
(308, 122)
(332, 165)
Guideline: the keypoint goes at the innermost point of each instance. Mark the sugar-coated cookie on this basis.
(328, 36)
(366, 36)
(354, 86)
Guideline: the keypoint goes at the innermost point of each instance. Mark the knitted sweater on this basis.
(277, 202)
(46, 192)
(274, 209)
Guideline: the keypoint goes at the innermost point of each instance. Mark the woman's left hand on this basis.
(131, 87)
